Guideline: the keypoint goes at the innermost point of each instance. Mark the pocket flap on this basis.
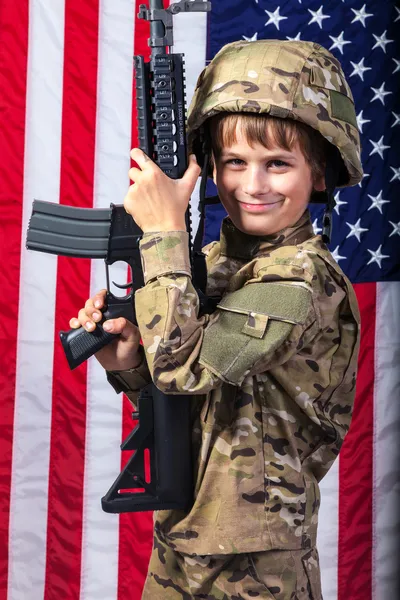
(255, 325)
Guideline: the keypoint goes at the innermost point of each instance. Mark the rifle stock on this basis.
(163, 432)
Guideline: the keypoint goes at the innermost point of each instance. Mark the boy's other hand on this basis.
(122, 353)
(156, 202)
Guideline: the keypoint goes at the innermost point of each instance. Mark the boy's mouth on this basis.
(257, 208)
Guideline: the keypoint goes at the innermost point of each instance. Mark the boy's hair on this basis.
(269, 131)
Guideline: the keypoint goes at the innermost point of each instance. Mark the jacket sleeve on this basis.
(131, 381)
(253, 327)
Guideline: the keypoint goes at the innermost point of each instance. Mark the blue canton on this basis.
(365, 37)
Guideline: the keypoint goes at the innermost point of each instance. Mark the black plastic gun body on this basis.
(163, 433)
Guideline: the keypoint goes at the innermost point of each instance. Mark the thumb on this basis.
(192, 173)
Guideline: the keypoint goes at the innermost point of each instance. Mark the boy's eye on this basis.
(278, 163)
(235, 161)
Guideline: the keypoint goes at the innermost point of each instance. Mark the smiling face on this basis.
(263, 189)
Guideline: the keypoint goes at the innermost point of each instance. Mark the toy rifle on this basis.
(163, 428)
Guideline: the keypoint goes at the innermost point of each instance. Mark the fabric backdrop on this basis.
(67, 123)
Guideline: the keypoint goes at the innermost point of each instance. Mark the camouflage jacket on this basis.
(272, 372)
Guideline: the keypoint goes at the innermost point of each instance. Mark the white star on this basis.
(364, 175)
(317, 16)
(336, 255)
(396, 228)
(397, 117)
(380, 93)
(317, 229)
(381, 41)
(377, 256)
(356, 230)
(379, 147)
(338, 202)
(295, 39)
(396, 174)
(397, 65)
(361, 121)
(377, 201)
(361, 15)
(274, 18)
(398, 14)
(359, 69)
(251, 39)
(338, 42)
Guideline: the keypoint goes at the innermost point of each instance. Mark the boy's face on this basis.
(263, 190)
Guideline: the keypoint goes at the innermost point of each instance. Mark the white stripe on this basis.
(31, 447)
(104, 414)
(386, 493)
(190, 39)
(328, 532)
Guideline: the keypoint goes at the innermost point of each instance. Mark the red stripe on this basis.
(135, 532)
(67, 452)
(14, 18)
(356, 467)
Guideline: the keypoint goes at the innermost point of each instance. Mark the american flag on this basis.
(67, 116)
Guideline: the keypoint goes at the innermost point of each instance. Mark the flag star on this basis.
(338, 202)
(364, 175)
(317, 229)
(377, 201)
(380, 93)
(379, 147)
(361, 121)
(338, 42)
(317, 16)
(359, 69)
(396, 174)
(377, 256)
(396, 228)
(381, 41)
(398, 14)
(336, 255)
(356, 230)
(361, 15)
(295, 39)
(397, 65)
(397, 117)
(274, 18)
(253, 38)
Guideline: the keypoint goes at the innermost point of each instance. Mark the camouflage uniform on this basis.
(272, 372)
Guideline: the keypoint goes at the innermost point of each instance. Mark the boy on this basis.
(272, 370)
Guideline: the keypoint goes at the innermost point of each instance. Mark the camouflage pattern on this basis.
(273, 381)
(288, 79)
(272, 575)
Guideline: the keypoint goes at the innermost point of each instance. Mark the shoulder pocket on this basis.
(251, 323)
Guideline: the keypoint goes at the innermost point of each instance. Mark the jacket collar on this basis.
(243, 246)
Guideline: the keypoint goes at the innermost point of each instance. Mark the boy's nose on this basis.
(255, 182)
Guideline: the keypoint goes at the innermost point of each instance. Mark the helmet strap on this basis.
(332, 170)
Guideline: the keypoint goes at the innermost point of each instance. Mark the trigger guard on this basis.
(123, 286)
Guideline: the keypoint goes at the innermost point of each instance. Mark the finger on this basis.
(134, 174)
(192, 173)
(99, 299)
(85, 320)
(74, 323)
(142, 159)
(115, 325)
(124, 327)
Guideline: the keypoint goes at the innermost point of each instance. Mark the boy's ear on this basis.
(319, 184)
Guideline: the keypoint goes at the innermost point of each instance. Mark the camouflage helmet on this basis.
(288, 79)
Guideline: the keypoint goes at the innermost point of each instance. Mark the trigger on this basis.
(123, 286)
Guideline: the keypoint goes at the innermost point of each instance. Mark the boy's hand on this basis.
(156, 202)
(122, 353)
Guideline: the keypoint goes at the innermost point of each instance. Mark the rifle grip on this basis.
(79, 344)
